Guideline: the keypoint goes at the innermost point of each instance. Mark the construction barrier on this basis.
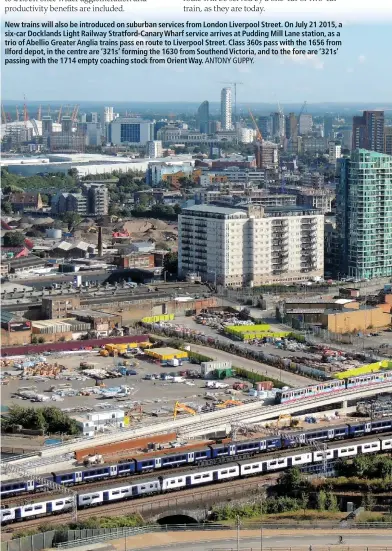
(157, 319)
(370, 368)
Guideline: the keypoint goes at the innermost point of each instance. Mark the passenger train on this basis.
(191, 478)
(204, 455)
(335, 385)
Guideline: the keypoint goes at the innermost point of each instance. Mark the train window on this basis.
(95, 496)
(180, 480)
(197, 477)
(38, 507)
(115, 493)
(232, 471)
(280, 461)
(124, 491)
(59, 503)
(224, 472)
(272, 462)
(205, 475)
(255, 466)
(142, 487)
(85, 498)
(248, 467)
(28, 509)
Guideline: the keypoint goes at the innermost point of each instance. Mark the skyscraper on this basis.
(368, 131)
(226, 109)
(388, 140)
(364, 214)
(265, 125)
(203, 117)
(278, 124)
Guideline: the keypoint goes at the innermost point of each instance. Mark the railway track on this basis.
(156, 503)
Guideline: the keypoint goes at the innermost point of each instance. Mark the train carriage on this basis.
(7, 515)
(117, 493)
(90, 499)
(146, 487)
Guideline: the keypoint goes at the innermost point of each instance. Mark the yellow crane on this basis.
(182, 407)
(59, 115)
(229, 403)
(259, 137)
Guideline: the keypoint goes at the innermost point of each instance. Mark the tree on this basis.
(14, 239)
(170, 263)
(177, 209)
(6, 207)
(72, 219)
(290, 481)
(73, 173)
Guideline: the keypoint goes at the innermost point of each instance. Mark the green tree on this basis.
(170, 263)
(72, 219)
(361, 466)
(177, 209)
(321, 500)
(290, 481)
(14, 239)
(6, 207)
(331, 502)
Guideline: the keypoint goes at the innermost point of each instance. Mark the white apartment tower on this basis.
(154, 149)
(226, 109)
(251, 246)
(334, 152)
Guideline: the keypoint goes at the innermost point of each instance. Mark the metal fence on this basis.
(90, 536)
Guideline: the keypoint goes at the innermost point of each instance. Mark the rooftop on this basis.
(211, 209)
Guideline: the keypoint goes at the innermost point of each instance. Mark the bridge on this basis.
(199, 425)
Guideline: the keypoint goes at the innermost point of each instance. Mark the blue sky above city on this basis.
(360, 72)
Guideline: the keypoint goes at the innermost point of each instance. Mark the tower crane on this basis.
(59, 115)
(25, 112)
(303, 108)
(3, 115)
(259, 137)
(259, 140)
(39, 113)
(75, 112)
(17, 113)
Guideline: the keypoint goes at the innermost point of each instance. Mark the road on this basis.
(290, 378)
(297, 540)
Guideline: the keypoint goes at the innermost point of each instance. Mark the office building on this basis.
(203, 117)
(364, 210)
(154, 149)
(226, 108)
(131, 131)
(246, 135)
(249, 246)
(388, 140)
(334, 152)
(107, 115)
(305, 124)
(347, 139)
(278, 125)
(368, 131)
(214, 127)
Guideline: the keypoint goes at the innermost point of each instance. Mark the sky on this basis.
(361, 72)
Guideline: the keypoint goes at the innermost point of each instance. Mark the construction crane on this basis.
(75, 112)
(59, 115)
(259, 137)
(25, 112)
(234, 84)
(17, 113)
(39, 113)
(3, 115)
(303, 108)
(182, 407)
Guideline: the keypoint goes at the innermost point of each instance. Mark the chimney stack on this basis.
(100, 244)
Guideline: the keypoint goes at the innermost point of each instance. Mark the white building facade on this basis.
(154, 149)
(226, 109)
(251, 246)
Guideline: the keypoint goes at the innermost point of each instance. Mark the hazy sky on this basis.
(360, 72)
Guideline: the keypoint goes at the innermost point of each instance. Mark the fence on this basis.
(90, 536)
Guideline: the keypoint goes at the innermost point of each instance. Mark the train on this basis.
(192, 478)
(333, 385)
(204, 455)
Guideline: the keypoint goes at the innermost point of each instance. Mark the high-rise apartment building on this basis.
(305, 124)
(154, 149)
(368, 131)
(226, 108)
(364, 214)
(334, 152)
(388, 140)
(252, 245)
(266, 154)
(107, 115)
(203, 117)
